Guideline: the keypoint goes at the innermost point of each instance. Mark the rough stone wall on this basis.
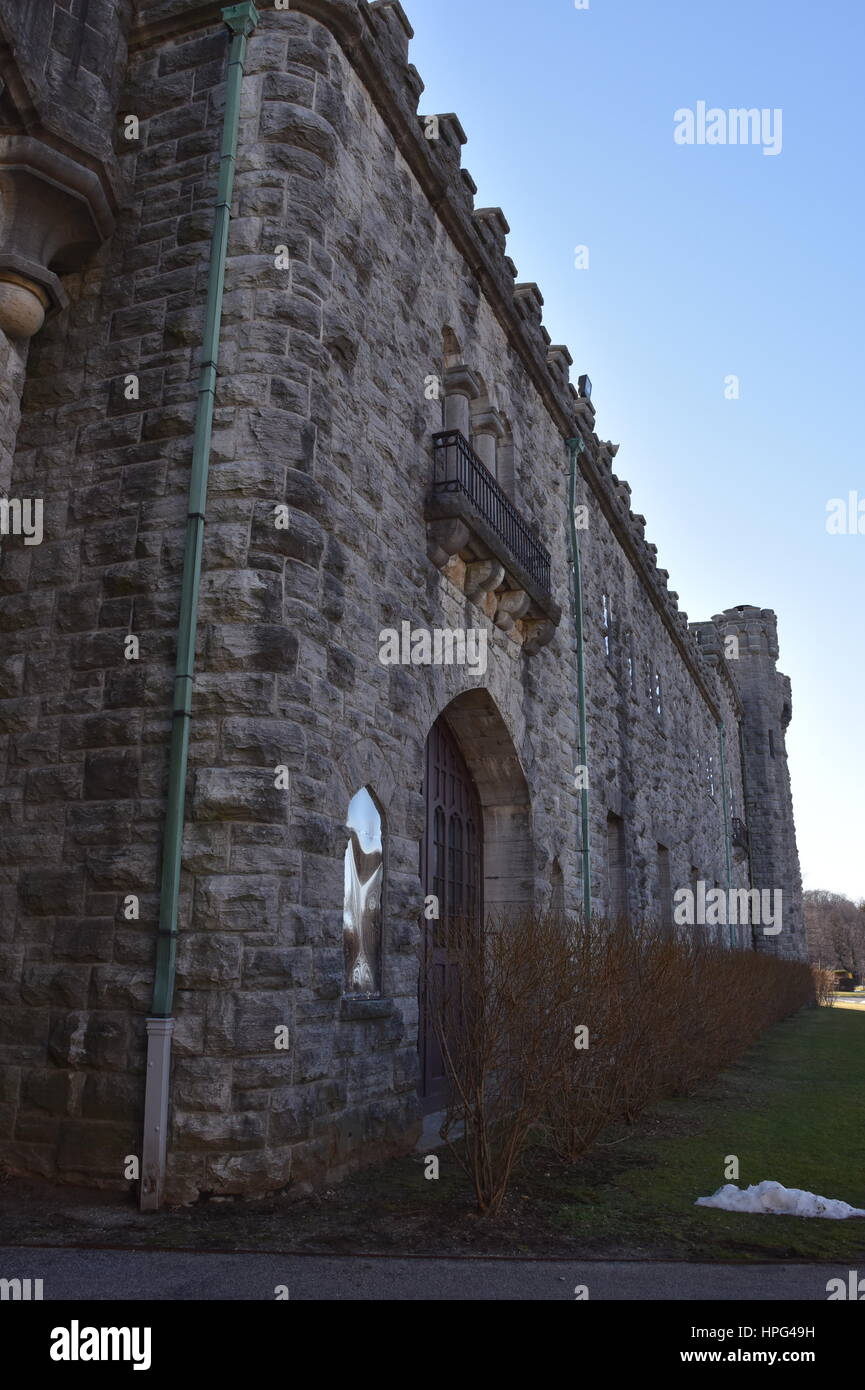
(767, 701)
(13, 364)
(648, 769)
(320, 406)
(71, 56)
(85, 736)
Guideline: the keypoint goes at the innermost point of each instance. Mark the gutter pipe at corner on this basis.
(725, 796)
(576, 447)
(241, 20)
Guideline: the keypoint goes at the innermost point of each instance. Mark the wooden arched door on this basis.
(452, 871)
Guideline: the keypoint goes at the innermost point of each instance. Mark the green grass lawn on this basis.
(793, 1110)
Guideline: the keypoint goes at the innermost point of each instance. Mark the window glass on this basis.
(361, 921)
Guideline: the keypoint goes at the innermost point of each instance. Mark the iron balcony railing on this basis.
(458, 469)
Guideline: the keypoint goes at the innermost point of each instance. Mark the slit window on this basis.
(607, 625)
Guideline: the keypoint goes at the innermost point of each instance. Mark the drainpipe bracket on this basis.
(242, 19)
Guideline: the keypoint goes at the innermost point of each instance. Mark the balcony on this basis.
(479, 539)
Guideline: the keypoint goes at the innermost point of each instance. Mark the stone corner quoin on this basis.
(388, 456)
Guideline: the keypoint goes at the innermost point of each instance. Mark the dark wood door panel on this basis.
(452, 871)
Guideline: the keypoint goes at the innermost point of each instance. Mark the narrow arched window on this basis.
(506, 466)
(362, 908)
(557, 888)
(617, 871)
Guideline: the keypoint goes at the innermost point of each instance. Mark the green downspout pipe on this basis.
(576, 447)
(745, 816)
(241, 20)
(722, 737)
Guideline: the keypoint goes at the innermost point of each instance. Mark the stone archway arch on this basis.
(490, 754)
(476, 859)
(364, 764)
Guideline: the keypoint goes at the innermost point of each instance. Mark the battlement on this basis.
(756, 629)
(375, 38)
(710, 641)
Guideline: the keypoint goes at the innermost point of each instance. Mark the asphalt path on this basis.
(85, 1275)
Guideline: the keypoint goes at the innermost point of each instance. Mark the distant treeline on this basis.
(835, 931)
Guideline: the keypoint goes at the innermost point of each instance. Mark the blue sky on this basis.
(704, 262)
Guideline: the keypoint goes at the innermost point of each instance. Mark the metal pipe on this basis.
(722, 737)
(745, 816)
(241, 20)
(576, 447)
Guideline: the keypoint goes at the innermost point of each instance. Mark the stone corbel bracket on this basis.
(465, 548)
(54, 214)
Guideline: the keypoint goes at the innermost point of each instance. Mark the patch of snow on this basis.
(774, 1199)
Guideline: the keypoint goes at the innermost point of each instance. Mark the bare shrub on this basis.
(513, 983)
(662, 1013)
(825, 980)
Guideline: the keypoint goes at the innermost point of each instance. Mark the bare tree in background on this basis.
(835, 932)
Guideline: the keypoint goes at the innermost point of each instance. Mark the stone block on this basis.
(51, 892)
(56, 986)
(114, 1098)
(263, 742)
(223, 1134)
(243, 903)
(239, 794)
(245, 1023)
(297, 126)
(250, 1173)
(202, 1084)
(121, 987)
(276, 967)
(208, 962)
(52, 1091)
(95, 1148)
(292, 1114)
(89, 1040)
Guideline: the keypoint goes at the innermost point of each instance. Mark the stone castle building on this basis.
(229, 990)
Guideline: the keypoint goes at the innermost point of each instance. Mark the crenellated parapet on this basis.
(613, 494)
(710, 640)
(375, 38)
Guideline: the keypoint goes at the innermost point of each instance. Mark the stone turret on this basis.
(767, 709)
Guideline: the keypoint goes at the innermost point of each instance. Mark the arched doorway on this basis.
(451, 871)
